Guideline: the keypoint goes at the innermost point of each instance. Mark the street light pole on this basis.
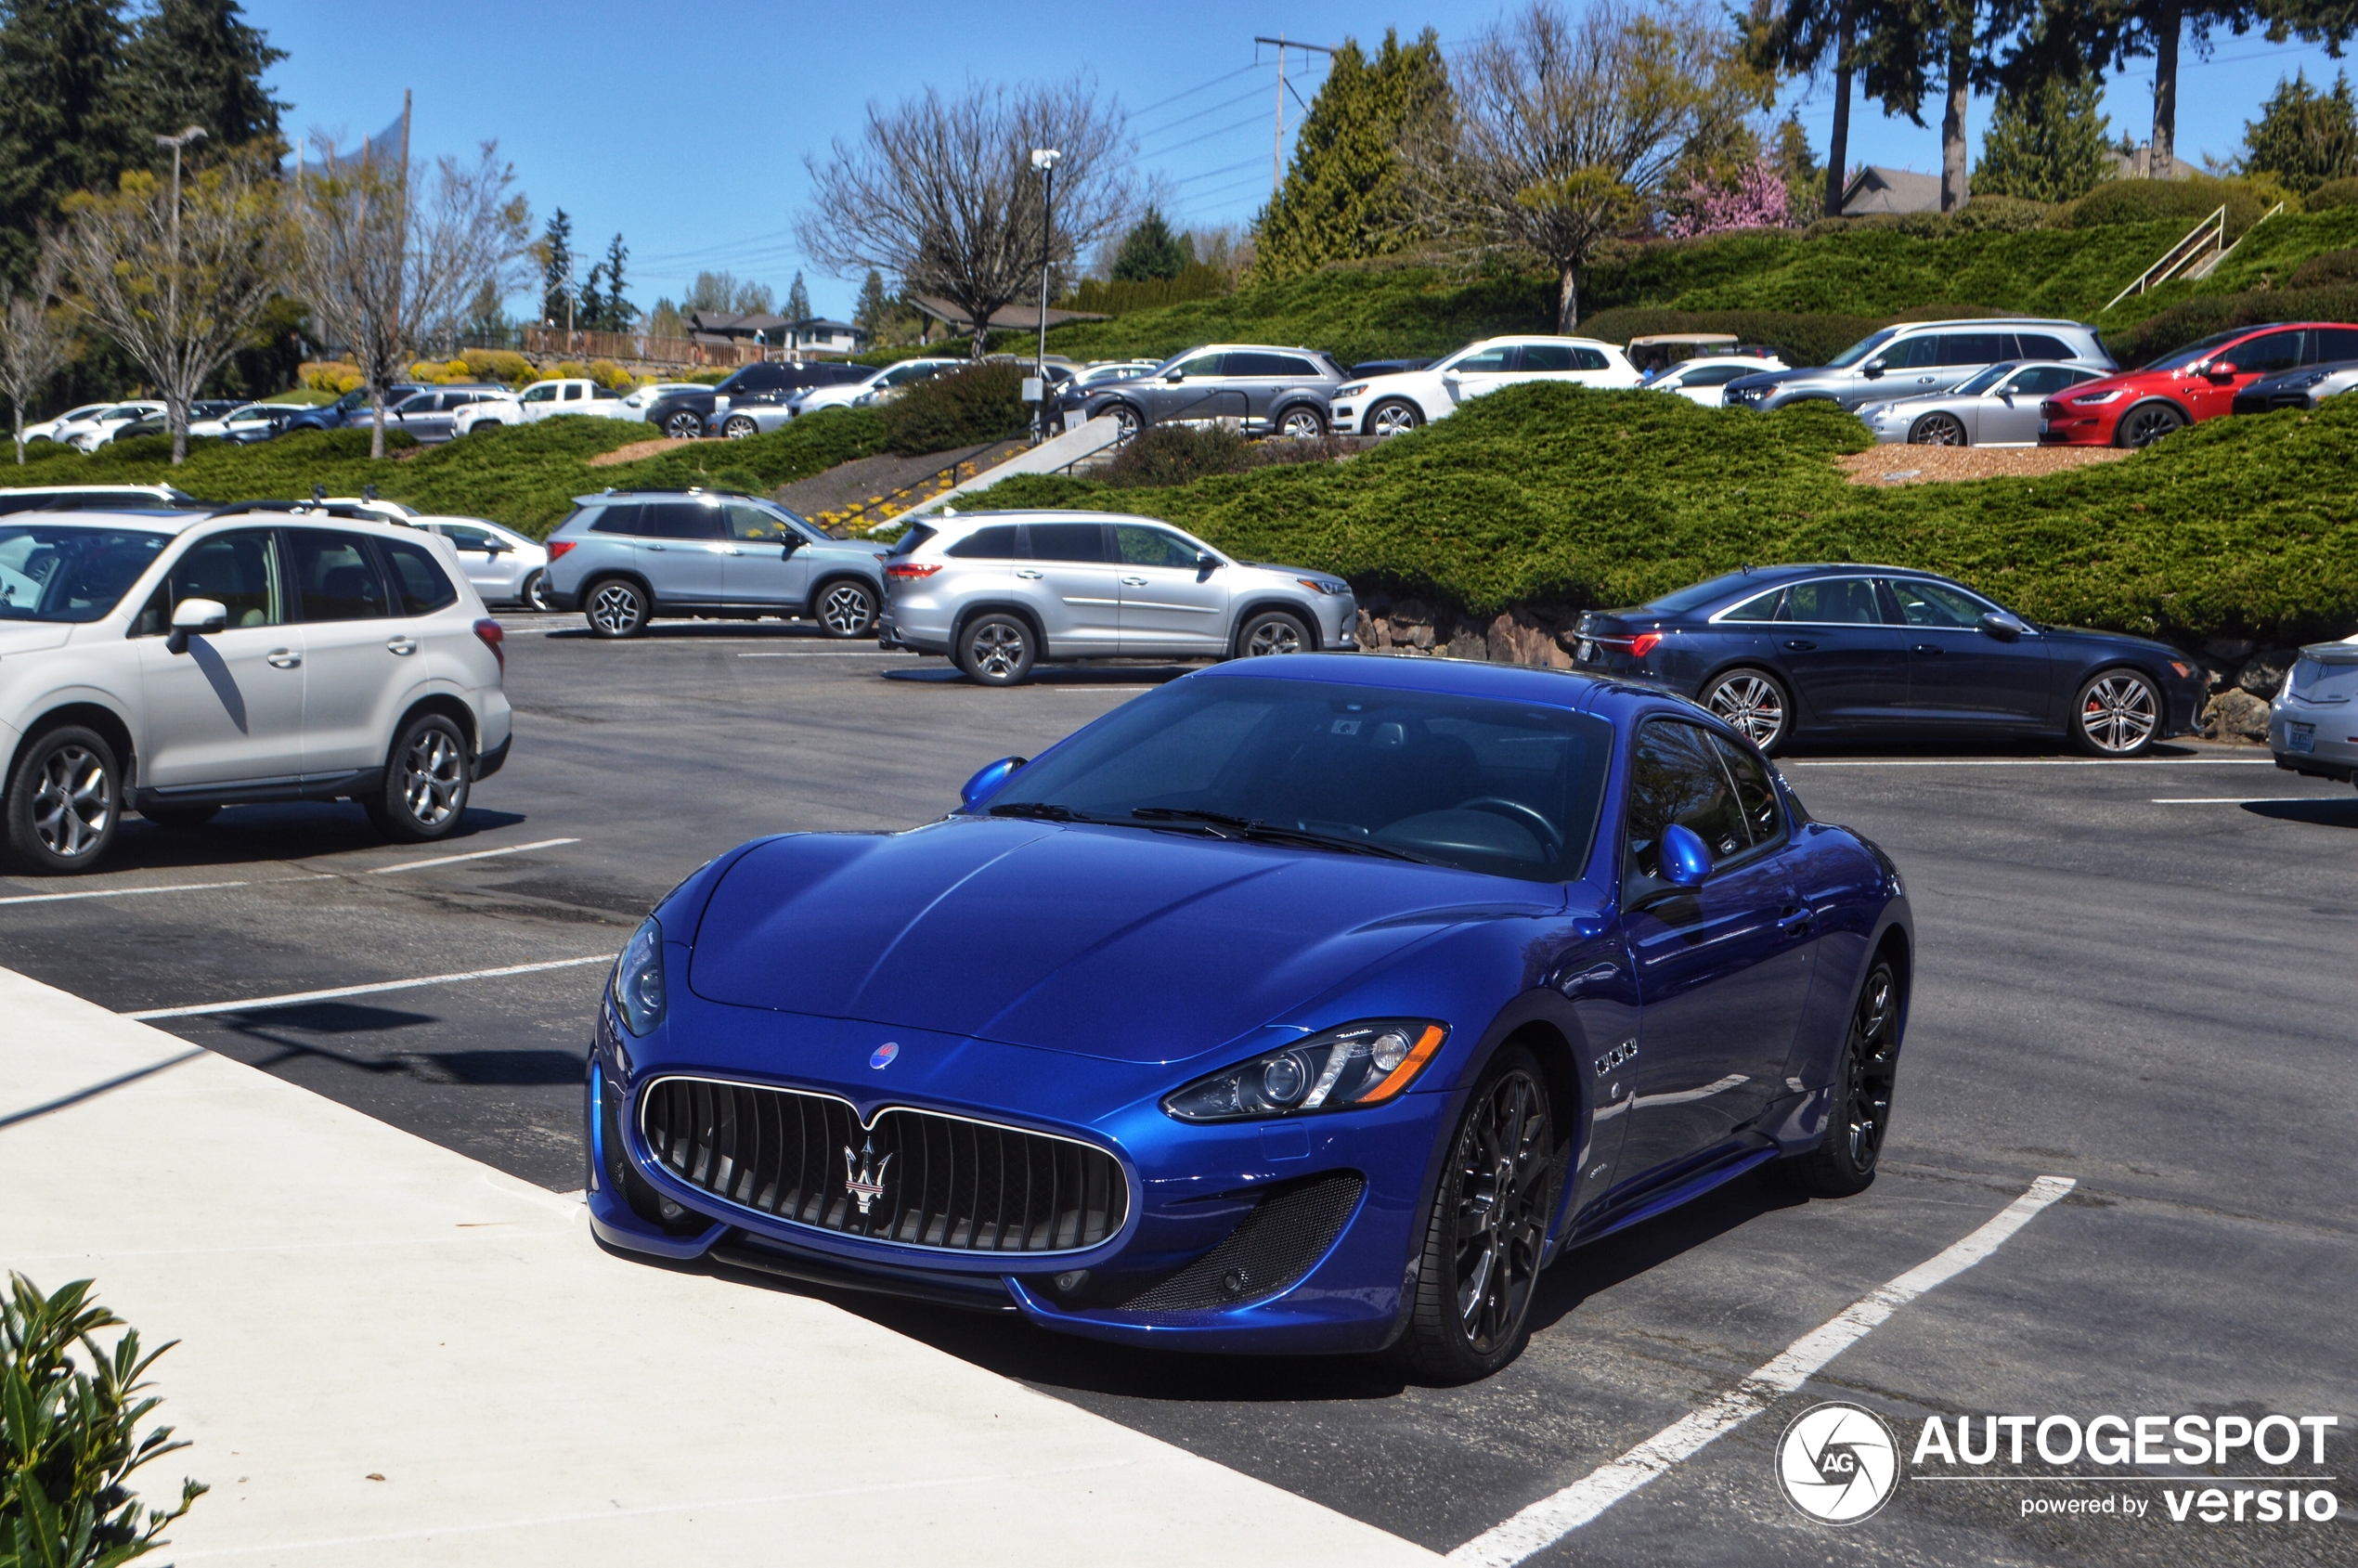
(178, 417)
(1045, 159)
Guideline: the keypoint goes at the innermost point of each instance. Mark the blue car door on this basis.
(1722, 970)
(1960, 672)
(1848, 666)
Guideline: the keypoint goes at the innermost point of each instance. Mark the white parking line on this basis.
(2032, 762)
(117, 892)
(2239, 799)
(827, 654)
(1551, 1518)
(478, 855)
(292, 998)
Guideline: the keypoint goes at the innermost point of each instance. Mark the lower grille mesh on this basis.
(1280, 1240)
(927, 1179)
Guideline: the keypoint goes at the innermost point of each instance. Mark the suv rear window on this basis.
(620, 519)
(909, 542)
(996, 542)
(425, 587)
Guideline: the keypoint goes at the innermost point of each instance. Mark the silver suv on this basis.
(1000, 592)
(1917, 358)
(626, 556)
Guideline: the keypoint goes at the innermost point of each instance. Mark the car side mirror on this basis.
(787, 545)
(2002, 626)
(1685, 860)
(1871, 369)
(1206, 563)
(986, 782)
(2223, 369)
(1176, 377)
(195, 617)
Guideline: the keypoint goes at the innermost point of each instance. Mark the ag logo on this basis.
(1838, 1462)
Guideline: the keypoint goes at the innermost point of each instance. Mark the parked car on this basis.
(1820, 650)
(247, 422)
(96, 498)
(1104, 370)
(506, 568)
(542, 400)
(626, 557)
(1367, 368)
(1002, 592)
(835, 395)
(1268, 391)
(1997, 408)
(2303, 387)
(1391, 405)
(2312, 725)
(354, 408)
(49, 429)
(173, 664)
(643, 400)
(1917, 358)
(682, 415)
(204, 419)
(431, 417)
(2198, 382)
(1705, 379)
(88, 435)
(1299, 1006)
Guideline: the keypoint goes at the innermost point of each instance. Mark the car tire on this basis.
(738, 426)
(1301, 424)
(2119, 713)
(1937, 430)
(1485, 1228)
(1273, 631)
(1127, 422)
(2146, 424)
(180, 818)
(1755, 702)
(615, 607)
(1394, 415)
(1860, 1116)
(64, 802)
(533, 595)
(428, 776)
(997, 650)
(683, 424)
(844, 608)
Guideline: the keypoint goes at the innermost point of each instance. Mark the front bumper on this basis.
(1191, 1189)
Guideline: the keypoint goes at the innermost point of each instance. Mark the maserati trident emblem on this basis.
(864, 1185)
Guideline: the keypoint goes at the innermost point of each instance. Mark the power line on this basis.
(1200, 87)
(1240, 97)
(1238, 125)
(1207, 174)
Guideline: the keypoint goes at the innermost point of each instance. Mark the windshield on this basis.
(1504, 789)
(55, 571)
(1861, 349)
(2192, 351)
(1702, 593)
(1984, 381)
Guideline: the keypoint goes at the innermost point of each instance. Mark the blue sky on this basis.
(684, 126)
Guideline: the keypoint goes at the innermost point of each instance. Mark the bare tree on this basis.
(34, 333)
(940, 193)
(1558, 132)
(387, 272)
(180, 288)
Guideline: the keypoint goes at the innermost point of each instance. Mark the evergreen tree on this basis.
(2304, 137)
(797, 300)
(2046, 143)
(874, 304)
(555, 249)
(1342, 197)
(64, 124)
(1150, 252)
(609, 311)
(197, 62)
(1796, 165)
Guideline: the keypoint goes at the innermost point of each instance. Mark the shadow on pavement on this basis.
(945, 674)
(301, 830)
(2326, 811)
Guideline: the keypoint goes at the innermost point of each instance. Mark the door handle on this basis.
(282, 659)
(1795, 645)
(401, 645)
(658, 547)
(1797, 920)
(1026, 572)
(1925, 648)
(728, 550)
(1133, 582)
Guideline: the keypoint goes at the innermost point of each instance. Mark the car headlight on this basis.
(1361, 1063)
(637, 985)
(1325, 584)
(1353, 390)
(2309, 380)
(2090, 399)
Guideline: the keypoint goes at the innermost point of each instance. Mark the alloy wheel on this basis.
(848, 610)
(1300, 424)
(615, 609)
(683, 426)
(535, 592)
(1504, 1160)
(1752, 704)
(738, 428)
(1869, 1067)
(433, 774)
(2118, 713)
(2144, 426)
(1937, 430)
(996, 651)
(1272, 636)
(1126, 424)
(1395, 419)
(73, 804)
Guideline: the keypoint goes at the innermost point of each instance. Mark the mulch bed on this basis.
(1900, 464)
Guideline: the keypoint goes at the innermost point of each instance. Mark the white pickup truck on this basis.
(543, 400)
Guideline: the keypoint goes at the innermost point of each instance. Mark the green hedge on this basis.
(1353, 313)
(965, 408)
(1554, 495)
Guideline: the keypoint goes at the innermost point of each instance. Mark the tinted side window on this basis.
(1065, 541)
(2039, 380)
(680, 519)
(1265, 365)
(996, 542)
(1834, 602)
(425, 587)
(2267, 353)
(1924, 604)
(622, 519)
(1674, 776)
(753, 524)
(2336, 344)
(241, 570)
(1489, 361)
(1201, 365)
(1756, 797)
(2038, 345)
(1589, 359)
(1760, 607)
(1151, 547)
(908, 543)
(1973, 348)
(1912, 354)
(1542, 356)
(337, 576)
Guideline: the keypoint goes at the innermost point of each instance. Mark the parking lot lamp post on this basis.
(1045, 159)
(172, 283)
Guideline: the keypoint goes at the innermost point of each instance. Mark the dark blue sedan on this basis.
(1789, 652)
(1306, 1004)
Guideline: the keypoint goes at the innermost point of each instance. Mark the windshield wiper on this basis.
(1253, 827)
(1039, 811)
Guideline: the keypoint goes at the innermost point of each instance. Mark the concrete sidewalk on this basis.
(393, 1354)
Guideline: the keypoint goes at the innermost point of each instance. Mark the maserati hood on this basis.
(1119, 943)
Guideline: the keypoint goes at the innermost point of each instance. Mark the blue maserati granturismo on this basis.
(1306, 1004)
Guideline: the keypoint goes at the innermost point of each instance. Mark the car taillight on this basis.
(558, 547)
(1643, 643)
(912, 568)
(494, 638)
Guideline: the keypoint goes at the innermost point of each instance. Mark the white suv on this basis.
(999, 591)
(1400, 402)
(173, 663)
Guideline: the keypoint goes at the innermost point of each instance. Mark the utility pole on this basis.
(177, 418)
(1045, 159)
(1277, 144)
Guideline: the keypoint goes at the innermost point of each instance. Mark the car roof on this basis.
(962, 522)
(1471, 677)
(162, 492)
(1994, 321)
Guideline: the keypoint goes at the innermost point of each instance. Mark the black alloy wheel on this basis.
(428, 777)
(1486, 1229)
(1395, 416)
(1937, 430)
(1860, 1117)
(1301, 424)
(615, 607)
(1754, 702)
(996, 649)
(2146, 424)
(64, 802)
(846, 608)
(683, 424)
(2119, 714)
(1272, 631)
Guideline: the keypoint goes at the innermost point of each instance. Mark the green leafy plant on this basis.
(69, 1434)
(962, 407)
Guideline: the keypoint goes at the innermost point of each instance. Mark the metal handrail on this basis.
(2177, 256)
(951, 468)
(2238, 240)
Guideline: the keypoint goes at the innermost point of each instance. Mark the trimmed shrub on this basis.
(2182, 201)
(968, 407)
(2331, 195)
(2334, 267)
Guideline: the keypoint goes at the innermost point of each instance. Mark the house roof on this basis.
(822, 324)
(1010, 317)
(731, 325)
(1878, 189)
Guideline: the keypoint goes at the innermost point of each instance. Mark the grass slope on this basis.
(525, 476)
(1554, 495)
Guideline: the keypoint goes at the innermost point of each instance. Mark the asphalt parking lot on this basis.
(2138, 977)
